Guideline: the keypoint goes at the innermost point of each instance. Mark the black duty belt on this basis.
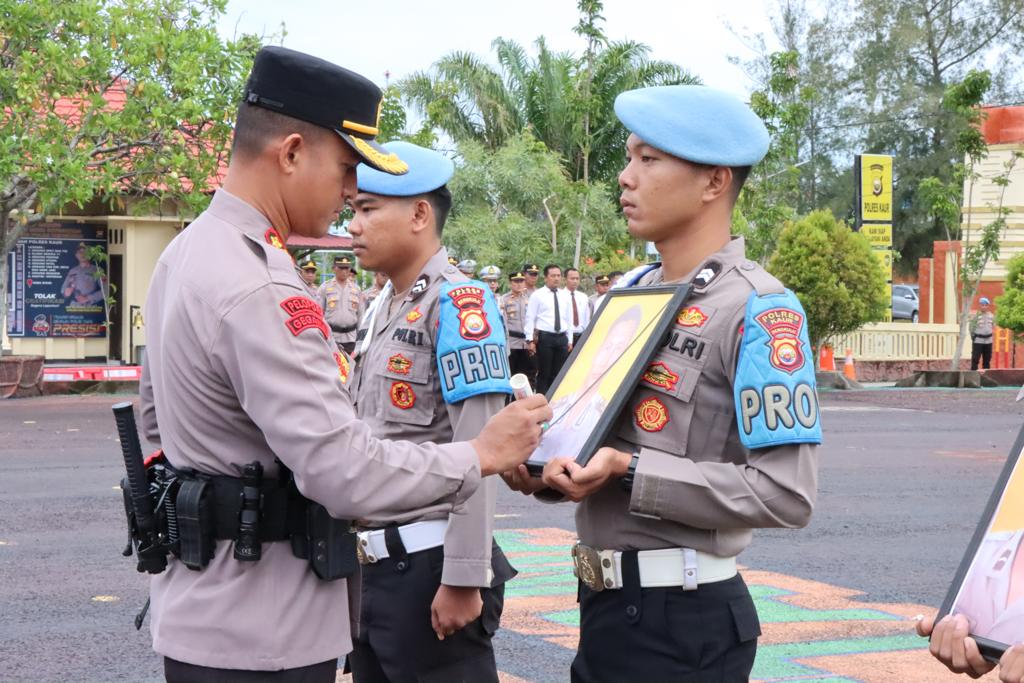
(551, 334)
(517, 335)
(344, 330)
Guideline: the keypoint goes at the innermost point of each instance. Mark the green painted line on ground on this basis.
(774, 611)
(775, 662)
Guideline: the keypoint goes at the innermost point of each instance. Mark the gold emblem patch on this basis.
(414, 315)
(651, 415)
(692, 317)
(402, 395)
(399, 364)
(660, 375)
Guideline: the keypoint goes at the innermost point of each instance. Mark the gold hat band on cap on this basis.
(387, 162)
(361, 128)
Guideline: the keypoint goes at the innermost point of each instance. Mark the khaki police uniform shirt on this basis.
(513, 310)
(239, 367)
(983, 327)
(397, 390)
(696, 485)
(343, 307)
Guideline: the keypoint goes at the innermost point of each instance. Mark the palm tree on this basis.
(552, 94)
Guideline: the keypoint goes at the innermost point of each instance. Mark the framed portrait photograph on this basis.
(988, 587)
(604, 369)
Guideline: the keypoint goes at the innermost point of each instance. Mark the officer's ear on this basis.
(422, 215)
(719, 183)
(289, 150)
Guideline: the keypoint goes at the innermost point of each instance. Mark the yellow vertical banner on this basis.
(875, 188)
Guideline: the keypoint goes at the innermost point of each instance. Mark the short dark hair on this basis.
(256, 126)
(441, 200)
(548, 267)
(570, 269)
(739, 177)
(615, 273)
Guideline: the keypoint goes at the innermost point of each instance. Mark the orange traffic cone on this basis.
(827, 359)
(848, 368)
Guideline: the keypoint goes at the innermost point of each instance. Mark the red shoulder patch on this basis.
(273, 238)
(304, 314)
(343, 366)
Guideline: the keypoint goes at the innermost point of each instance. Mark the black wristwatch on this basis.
(627, 479)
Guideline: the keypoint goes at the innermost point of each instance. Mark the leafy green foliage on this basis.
(112, 98)
(1010, 306)
(833, 272)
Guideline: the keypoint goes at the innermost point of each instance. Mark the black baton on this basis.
(152, 558)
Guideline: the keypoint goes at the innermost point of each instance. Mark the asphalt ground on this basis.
(904, 477)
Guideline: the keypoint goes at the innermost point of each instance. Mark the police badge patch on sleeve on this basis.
(775, 391)
(471, 354)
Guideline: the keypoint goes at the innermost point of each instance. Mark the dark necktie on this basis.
(575, 312)
(558, 317)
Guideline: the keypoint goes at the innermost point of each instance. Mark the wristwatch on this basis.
(627, 479)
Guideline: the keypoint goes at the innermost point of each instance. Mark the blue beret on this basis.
(428, 171)
(696, 123)
(985, 301)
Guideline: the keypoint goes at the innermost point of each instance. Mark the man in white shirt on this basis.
(579, 305)
(548, 327)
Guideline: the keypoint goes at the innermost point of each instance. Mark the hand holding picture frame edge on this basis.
(992, 650)
(680, 293)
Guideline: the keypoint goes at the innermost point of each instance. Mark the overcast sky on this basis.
(373, 37)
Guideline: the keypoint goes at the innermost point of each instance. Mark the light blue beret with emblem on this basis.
(694, 122)
(428, 170)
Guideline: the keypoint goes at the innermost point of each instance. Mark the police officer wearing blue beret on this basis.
(433, 368)
(720, 435)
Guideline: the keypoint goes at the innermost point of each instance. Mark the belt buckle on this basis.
(362, 546)
(587, 567)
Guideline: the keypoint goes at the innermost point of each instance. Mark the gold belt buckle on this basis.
(587, 567)
(362, 541)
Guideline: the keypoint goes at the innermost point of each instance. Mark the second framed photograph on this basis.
(604, 368)
(988, 588)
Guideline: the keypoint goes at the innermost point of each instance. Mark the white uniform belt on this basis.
(415, 537)
(670, 567)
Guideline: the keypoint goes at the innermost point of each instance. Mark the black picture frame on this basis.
(652, 336)
(991, 648)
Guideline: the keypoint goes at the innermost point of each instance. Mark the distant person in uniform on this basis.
(491, 275)
(614, 276)
(601, 286)
(343, 304)
(579, 305)
(82, 286)
(467, 267)
(513, 312)
(241, 373)
(722, 439)
(379, 280)
(308, 272)
(982, 330)
(432, 582)
(532, 272)
(548, 327)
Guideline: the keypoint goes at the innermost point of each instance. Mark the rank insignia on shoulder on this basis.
(658, 374)
(304, 314)
(775, 391)
(402, 395)
(413, 315)
(707, 273)
(651, 415)
(273, 238)
(419, 287)
(399, 364)
(471, 354)
(343, 366)
(691, 317)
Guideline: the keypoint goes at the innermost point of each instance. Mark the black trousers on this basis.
(180, 672)
(395, 642)
(982, 352)
(552, 350)
(521, 362)
(657, 635)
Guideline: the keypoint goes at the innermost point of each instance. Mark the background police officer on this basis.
(513, 307)
(342, 303)
(308, 272)
(532, 272)
(721, 440)
(415, 623)
(240, 367)
(601, 286)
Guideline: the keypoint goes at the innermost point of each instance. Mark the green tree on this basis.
(107, 99)
(1010, 306)
(943, 199)
(907, 52)
(834, 274)
(517, 204)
